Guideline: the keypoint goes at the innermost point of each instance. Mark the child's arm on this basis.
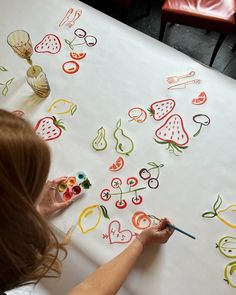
(108, 278)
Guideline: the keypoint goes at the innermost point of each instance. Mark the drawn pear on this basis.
(124, 144)
(100, 143)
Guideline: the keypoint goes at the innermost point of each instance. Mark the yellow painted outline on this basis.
(62, 100)
(83, 214)
(227, 210)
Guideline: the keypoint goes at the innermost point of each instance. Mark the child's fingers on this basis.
(59, 180)
(62, 205)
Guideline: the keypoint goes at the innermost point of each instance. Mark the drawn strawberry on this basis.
(49, 128)
(173, 134)
(50, 44)
(161, 108)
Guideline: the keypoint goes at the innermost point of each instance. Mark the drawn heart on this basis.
(118, 236)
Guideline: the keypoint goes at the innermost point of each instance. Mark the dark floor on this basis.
(194, 42)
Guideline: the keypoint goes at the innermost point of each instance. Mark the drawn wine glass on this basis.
(20, 42)
(89, 40)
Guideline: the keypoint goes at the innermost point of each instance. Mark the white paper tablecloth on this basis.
(126, 69)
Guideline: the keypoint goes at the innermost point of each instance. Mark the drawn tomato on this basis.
(121, 204)
(116, 182)
(105, 194)
(77, 56)
(70, 67)
(141, 220)
(132, 181)
(137, 200)
(137, 114)
(118, 165)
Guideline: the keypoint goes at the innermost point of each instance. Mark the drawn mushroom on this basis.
(201, 119)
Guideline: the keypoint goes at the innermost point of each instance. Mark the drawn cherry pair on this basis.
(144, 173)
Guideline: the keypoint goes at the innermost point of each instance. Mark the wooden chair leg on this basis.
(217, 47)
(162, 30)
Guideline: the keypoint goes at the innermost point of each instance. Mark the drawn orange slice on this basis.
(77, 56)
(141, 220)
(70, 67)
(118, 165)
(201, 99)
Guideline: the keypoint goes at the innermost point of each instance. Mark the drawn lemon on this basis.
(230, 274)
(62, 106)
(89, 218)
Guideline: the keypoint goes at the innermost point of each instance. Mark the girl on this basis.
(29, 250)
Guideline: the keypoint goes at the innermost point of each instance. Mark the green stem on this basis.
(123, 193)
(198, 131)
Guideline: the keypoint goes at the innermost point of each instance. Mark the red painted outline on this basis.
(137, 202)
(160, 101)
(52, 121)
(136, 118)
(47, 51)
(77, 56)
(170, 140)
(116, 179)
(120, 159)
(194, 101)
(105, 190)
(123, 206)
(136, 221)
(134, 179)
(75, 69)
(118, 229)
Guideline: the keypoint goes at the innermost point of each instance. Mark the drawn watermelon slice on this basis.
(118, 165)
(201, 99)
(161, 108)
(173, 133)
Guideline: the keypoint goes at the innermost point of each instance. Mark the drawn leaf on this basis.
(217, 204)
(118, 124)
(160, 142)
(153, 164)
(3, 69)
(209, 214)
(9, 81)
(104, 212)
(5, 90)
(73, 110)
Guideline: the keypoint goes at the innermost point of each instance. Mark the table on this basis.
(128, 69)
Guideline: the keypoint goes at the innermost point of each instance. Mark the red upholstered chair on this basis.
(211, 15)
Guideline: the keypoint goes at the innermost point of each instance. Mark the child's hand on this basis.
(48, 203)
(156, 234)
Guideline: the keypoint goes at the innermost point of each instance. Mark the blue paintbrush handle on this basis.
(181, 231)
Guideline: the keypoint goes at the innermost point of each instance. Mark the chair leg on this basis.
(217, 47)
(162, 30)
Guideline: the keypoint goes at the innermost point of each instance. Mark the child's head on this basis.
(26, 241)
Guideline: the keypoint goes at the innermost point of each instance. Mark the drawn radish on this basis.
(173, 133)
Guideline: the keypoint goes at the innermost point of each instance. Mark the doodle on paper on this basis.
(230, 274)
(175, 79)
(137, 114)
(116, 184)
(202, 120)
(49, 128)
(161, 108)
(62, 106)
(118, 165)
(227, 246)
(201, 99)
(226, 215)
(116, 235)
(6, 86)
(141, 220)
(172, 133)
(124, 144)
(70, 17)
(100, 142)
(83, 38)
(145, 174)
(49, 44)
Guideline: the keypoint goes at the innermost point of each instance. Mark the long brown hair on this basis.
(28, 248)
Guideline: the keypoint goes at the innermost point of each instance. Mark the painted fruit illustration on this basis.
(161, 108)
(77, 56)
(144, 173)
(70, 67)
(226, 215)
(124, 144)
(50, 44)
(118, 165)
(137, 114)
(230, 274)
(100, 143)
(49, 128)
(201, 99)
(62, 106)
(173, 133)
(141, 220)
(202, 120)
(227, 246)
(90, 217)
